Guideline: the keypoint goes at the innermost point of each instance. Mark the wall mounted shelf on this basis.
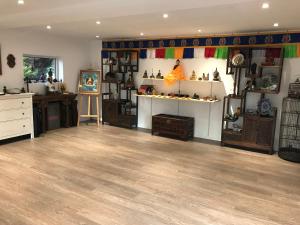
(163, 97)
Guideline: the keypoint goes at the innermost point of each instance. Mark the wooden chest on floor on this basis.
(174, 126)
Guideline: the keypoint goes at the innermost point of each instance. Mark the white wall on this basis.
(74, 53)
(207, 120)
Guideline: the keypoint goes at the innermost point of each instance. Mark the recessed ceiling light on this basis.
(97, 36)
(21, 2)
(199, 30)
(142, 34)
(165, 15)
(98, 22)
(276, 24)
(48, 27)
(265, 5)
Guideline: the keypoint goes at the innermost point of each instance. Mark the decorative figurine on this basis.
(216, 75)
(159, 76)
(145, 76)
(152, 75)
(176, 74)
(194, 76)
(253, 68)
(130, 82)
(195, 96)
(206, 78)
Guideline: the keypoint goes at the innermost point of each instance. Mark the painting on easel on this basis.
(89, 82)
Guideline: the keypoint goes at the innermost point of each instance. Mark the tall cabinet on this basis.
(119, 92)
(258, 74)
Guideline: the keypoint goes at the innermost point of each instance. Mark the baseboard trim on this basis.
(195, 139)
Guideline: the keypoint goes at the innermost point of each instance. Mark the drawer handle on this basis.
(24, 126)
(23, 114)
(23, 103)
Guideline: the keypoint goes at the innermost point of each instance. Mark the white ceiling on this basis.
(127, 18)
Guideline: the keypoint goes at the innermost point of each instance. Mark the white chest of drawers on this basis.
(16, 116)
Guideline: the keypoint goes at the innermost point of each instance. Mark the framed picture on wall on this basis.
(89, 82)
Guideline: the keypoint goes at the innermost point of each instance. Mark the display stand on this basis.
(89, 109)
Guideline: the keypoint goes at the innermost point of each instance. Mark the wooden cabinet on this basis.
(258, 133)
(109, 111)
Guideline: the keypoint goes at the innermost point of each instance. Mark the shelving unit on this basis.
(119, 101)
(252, 131)
(184, 99)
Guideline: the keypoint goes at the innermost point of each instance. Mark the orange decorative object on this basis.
(298, 50)
(176, 74)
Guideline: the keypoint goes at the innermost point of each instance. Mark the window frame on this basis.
(57, 75)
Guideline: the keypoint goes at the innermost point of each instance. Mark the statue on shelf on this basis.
(152, 75)
(194, 76)
(159, 76)
(130, 82)
(253, 68)
(216, 75)
(176, 74)
(145, 76)
(206, 78)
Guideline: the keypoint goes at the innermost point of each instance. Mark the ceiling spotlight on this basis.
(165, 15)
(48, 27)
(97, 36)
(98, 22)
(265, 5)
(21, 2)
(199, 30)
(142, 34)
(276, 24)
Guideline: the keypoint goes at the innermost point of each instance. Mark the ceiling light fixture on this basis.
(21, 2)
(199, 30)
(97, 36)
(165, 16)
(276, 24)
(142, 34)
(98, 22)
(265, 5)
(48, 27)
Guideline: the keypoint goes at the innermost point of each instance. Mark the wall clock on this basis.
(11, 60)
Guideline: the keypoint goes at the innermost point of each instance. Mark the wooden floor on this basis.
(113, 176)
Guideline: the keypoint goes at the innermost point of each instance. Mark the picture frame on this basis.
(89, 82)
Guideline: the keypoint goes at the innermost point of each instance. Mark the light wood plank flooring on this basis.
(114, 176)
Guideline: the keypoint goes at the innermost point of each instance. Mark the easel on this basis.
(89, 115)
(91, 75)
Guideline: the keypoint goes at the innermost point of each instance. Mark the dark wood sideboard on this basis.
(68, 111)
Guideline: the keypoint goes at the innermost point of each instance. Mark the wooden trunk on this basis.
(175, 126)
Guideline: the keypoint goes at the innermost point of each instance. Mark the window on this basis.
(38, 68)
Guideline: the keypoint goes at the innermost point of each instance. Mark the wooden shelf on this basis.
(177, 98)
(199, 81)
(263, 91)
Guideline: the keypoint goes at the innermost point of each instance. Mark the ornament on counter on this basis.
(194, 76)
(216, 75)
(159, 76)
(145, 76)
